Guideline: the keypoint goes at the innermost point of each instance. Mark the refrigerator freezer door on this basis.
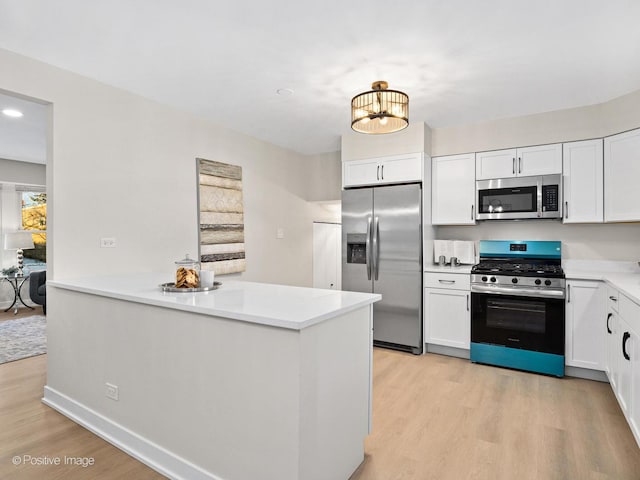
(397, 318)
(357, 212)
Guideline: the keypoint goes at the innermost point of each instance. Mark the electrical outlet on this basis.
(111, 391)
(280, 233)
(108, 242)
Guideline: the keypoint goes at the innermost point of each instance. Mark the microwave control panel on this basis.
(550, 198)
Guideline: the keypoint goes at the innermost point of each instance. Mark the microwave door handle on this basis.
(368, 248)
(539, 185)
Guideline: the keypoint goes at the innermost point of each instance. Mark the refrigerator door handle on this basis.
(368, 248)
(376, 247)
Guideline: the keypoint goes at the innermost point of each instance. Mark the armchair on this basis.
(38, 289)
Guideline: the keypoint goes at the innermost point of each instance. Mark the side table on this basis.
(16, 282)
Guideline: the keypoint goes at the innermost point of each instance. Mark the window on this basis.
(34, 219)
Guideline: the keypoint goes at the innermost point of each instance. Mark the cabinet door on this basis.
(401, 168)
(326, 256)
(447, 317)
(360, 172)
(453, 190)
(626, 346)
(539, 160)
(622, 177)
(584, 334)
(633, 349)
(612, 328)
(496, 164)
(582, 168)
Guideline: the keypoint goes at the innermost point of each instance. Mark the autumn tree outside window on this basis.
(34, 219)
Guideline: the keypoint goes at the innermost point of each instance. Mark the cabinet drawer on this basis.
(630, 312)
(613, 299)
(455, 281)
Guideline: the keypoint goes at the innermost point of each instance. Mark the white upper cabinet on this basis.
(496, 164)
(540, 160)
(453, 190)
(622, 177)
(582, 166)
(382, 170)
(360, 172)
(519, 162)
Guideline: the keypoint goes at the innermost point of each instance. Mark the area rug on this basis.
(22, 338)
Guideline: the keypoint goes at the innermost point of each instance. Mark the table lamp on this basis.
(20, 240)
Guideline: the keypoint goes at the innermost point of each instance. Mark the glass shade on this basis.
(380, 110)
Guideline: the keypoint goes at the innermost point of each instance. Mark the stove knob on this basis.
(547, 282)
(514, 280)
(538, 281)
(493, 279)
(484, 279)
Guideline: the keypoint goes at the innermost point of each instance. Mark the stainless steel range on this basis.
(517, 306)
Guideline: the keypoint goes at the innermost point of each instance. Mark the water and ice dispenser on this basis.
(357, 248)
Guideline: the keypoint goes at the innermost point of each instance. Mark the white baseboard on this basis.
(140, 448)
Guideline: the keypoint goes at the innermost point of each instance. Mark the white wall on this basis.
(123, 166)
(604, 241)
(12, 171)
(415, 138)
(587, 242)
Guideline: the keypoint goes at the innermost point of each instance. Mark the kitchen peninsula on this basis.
(247, 381)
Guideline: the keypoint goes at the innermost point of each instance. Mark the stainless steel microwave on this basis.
(519, 197)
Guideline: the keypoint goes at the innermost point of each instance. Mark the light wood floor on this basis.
(435, 417)
(28, 427)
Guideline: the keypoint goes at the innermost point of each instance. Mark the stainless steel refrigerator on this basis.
(382, 253)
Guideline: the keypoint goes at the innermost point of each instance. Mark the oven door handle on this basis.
(518, 292)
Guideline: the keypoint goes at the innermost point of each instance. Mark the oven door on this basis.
(523, 322)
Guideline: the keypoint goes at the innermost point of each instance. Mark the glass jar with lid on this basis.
(187, 273)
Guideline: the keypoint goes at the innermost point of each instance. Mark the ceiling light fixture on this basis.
(10, 112)
(380, 110)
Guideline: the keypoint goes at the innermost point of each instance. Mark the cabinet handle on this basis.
(467, 302)
(382, 172)
(519, 165)
(473, 209)
(514, 165)
(566, 209)
(612, 298)
(625, 337)
(609, 318)
(448, 282)
(378, 173)
(568, 293)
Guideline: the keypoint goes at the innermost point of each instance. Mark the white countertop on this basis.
(434, 267)
(267, 304)
(624, 276)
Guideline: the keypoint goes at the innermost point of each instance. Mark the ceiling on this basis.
(459, 61)
(25, 138)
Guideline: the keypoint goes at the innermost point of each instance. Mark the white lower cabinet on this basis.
(447, 310)
(624, 360)
(612, 327)
(584, 335)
